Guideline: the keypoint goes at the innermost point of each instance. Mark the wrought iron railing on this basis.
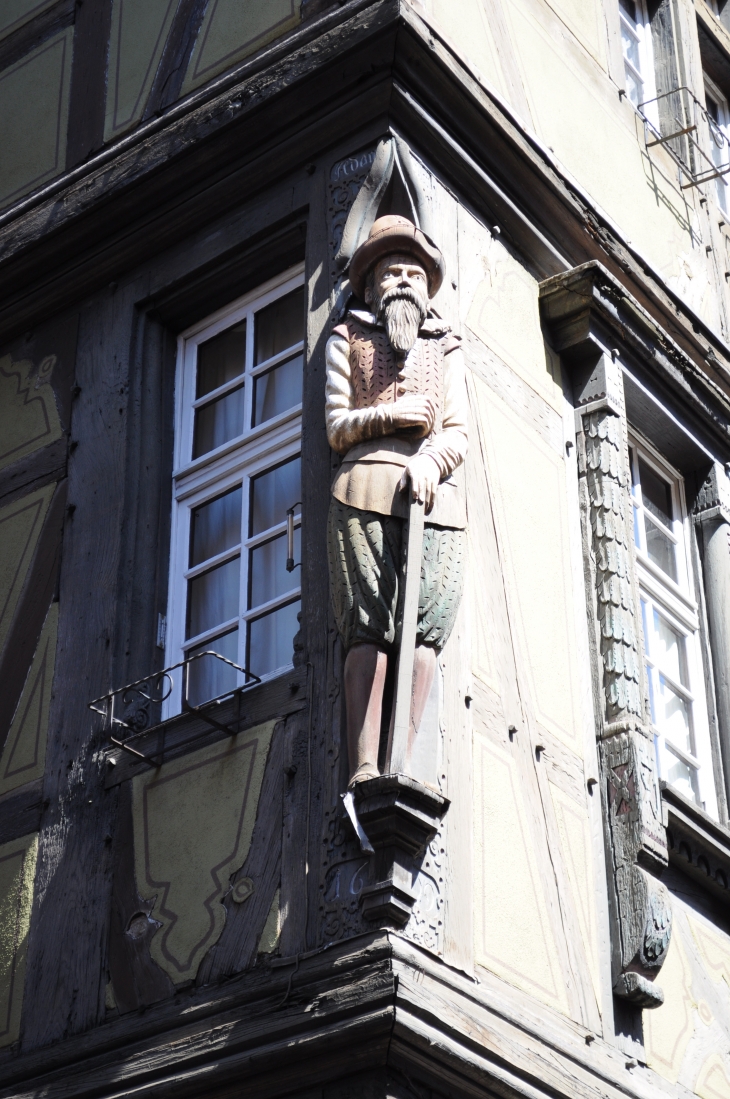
(135, 710)
(679, 114)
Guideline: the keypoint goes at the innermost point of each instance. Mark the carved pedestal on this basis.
(400, 817)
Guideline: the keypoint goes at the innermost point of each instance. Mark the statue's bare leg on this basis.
(424, 669)
(365, 669)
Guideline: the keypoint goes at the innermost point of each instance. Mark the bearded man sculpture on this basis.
(396, 409)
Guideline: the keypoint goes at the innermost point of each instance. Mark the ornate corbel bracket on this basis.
(578, 309)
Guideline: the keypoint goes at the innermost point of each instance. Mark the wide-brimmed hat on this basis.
(395, 235)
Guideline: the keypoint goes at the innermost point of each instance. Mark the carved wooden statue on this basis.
(396, 410)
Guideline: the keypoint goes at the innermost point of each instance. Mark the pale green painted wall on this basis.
(232, 29)
(34, 117)
(14, 13)
(138, 34)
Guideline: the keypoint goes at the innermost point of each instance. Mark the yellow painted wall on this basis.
(687, 1039)
(536, 863)
(550, 60)
(17, 871)
(34, 116)
(193, 820)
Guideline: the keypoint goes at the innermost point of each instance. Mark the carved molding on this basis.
(698, 845)
(575, 308)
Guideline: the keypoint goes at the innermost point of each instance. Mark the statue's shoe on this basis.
(365, 771)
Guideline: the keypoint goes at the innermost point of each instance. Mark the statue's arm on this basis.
(448, 447)
(347, 425)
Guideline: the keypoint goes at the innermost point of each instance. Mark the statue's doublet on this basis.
(370, 472)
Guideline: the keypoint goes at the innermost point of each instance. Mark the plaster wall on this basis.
(538, 881)
(554, 63)
(687, 1039)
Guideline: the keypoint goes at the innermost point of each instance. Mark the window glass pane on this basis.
(215, 526)
(270, 639)
(634, 88)
(208, 677)
(213, 597)
(272, 493)
(676, 722)
(279, 325)
(681, 776)
(656, 494)
(268, 577)
(217, 422)
(669, 650)
(661, 549)
(277, 390)
(637, 531)
(221, 359)
(628, 7)
(631, 46)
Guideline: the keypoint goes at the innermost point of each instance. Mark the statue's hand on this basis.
(414, 413)
(424, 476)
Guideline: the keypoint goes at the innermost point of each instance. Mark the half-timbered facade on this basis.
(183, 892)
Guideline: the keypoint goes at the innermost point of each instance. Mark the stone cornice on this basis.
(589, 302)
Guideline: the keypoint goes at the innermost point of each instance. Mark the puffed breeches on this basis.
(366, 553)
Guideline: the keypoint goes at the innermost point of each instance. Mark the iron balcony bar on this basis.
(153, 690)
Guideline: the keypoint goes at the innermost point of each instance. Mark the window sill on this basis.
(274, 699)
(698, 846)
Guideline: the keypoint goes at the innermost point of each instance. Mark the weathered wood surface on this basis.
(271, 701)
(87, 103)
(236, 949)
(35, 32)
(272, 1020)
(378, 1001)
(176, 54)
(20, 811)
(34, 471)
(64, 988)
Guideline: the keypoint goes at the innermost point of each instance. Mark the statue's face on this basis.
(397, 272)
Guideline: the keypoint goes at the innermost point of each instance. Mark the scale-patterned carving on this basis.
(607, 493)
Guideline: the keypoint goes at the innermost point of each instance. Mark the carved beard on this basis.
(402, 311)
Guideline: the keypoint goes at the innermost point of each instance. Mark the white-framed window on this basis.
(718, 118)
(638, 55)
(670, 619)
(237, 473)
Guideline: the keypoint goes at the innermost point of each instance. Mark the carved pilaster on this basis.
(712, 517)
(639, 903)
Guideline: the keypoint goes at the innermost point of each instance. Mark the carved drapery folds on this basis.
(573, 306)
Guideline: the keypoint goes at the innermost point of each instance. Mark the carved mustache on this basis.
(401, 292)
